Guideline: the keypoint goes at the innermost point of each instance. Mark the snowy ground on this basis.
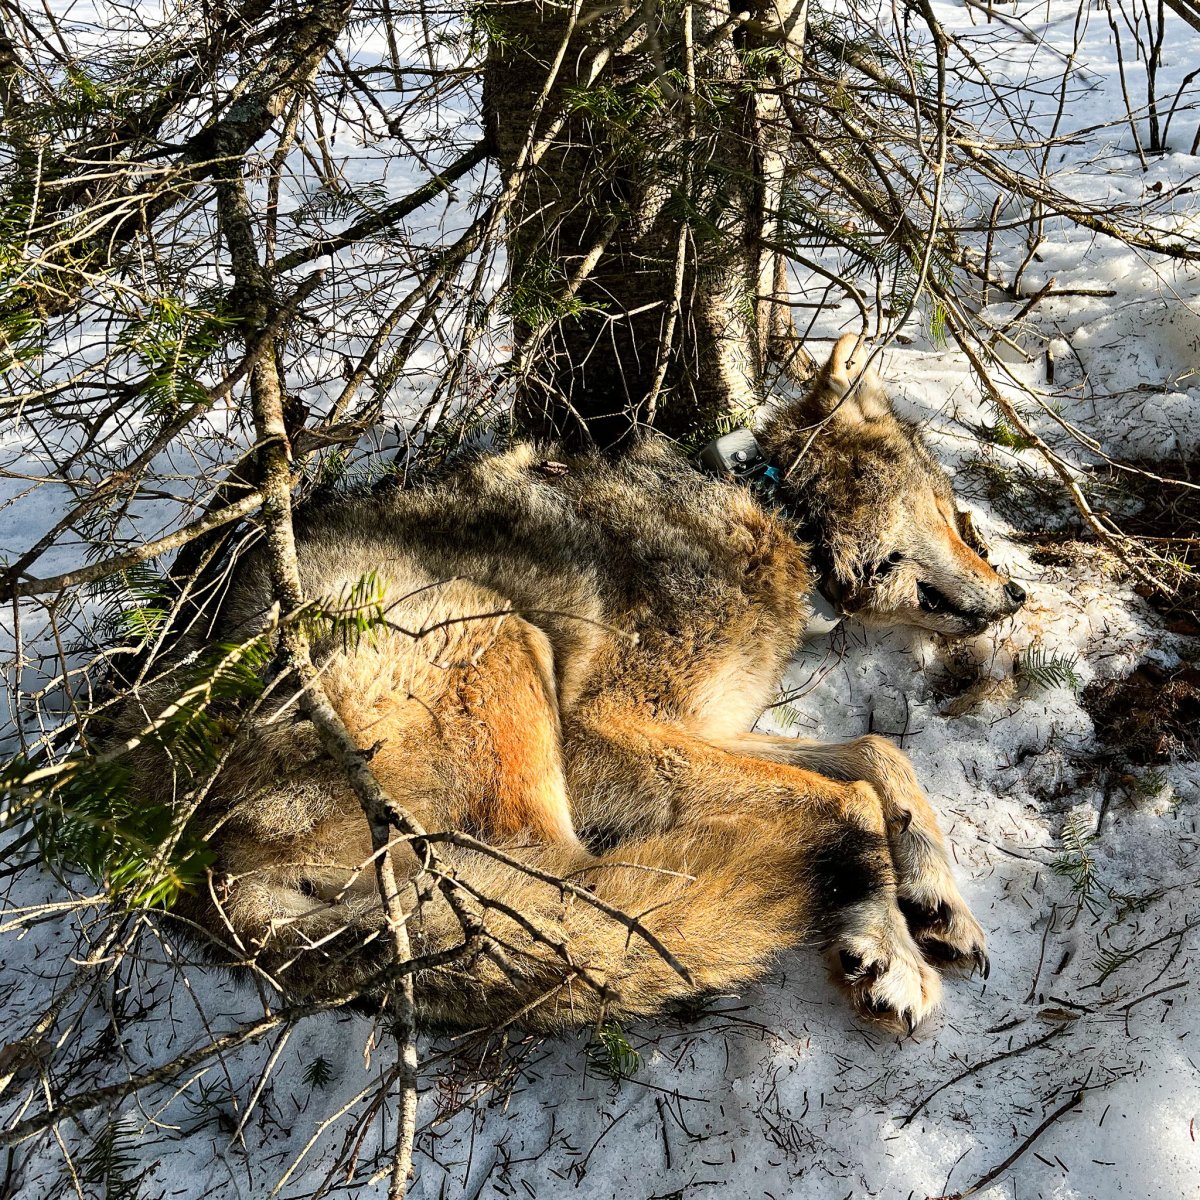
(779, 1092)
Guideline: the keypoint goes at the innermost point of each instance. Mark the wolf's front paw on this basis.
(889, 981)
(942, 924)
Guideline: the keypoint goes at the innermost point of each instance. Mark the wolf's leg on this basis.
(936, 911)
(462, 729)
(723, 893)
(463, 726)
(631, 777)
(807, 861)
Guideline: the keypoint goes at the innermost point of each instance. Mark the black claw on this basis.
(909, 1021)
(983, 964)
(943, 913)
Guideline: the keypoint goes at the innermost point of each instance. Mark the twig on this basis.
(146, 552)
(1056, 464)
(979, 1066)
(999, 1169)
(581, 893)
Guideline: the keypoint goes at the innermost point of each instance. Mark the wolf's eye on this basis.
(881, 569)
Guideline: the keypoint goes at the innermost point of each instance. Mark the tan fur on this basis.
(573, 657)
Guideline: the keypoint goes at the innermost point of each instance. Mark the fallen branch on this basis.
(1056, 464)
(275, 488)
(139, 554)
(979, 1066)
(982, 1182)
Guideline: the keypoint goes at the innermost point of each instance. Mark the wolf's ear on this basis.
(832, 389)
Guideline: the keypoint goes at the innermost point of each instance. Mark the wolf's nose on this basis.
(1015, 593)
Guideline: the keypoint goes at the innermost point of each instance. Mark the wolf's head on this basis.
(889, 541)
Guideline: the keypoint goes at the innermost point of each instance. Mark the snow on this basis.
(780, 1092)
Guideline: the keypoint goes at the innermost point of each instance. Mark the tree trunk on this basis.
(643, 154)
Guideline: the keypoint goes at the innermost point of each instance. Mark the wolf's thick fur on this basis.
(573, 659)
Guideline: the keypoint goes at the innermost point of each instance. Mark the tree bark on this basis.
(639, 241)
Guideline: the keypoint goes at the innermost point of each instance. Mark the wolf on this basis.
(573, 655)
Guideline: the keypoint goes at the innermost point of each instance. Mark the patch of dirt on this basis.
(1152, 715)
(1166, 516)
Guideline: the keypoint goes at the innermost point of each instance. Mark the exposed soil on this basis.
(1152, 715)
(1167, 517)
